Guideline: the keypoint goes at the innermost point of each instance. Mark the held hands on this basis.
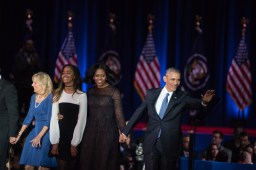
(207, 97)
(12, 140)
(122, 138)
(17, 138)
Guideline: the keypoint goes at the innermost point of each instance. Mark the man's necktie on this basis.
(163, 106)
(162, 110)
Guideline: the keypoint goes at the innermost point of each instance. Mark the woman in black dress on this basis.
(100, 146)
(69, 112)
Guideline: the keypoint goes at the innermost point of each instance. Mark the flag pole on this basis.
(70, 20)
(198, 23)
(150, 23)
(150, 28)
(239, 79)
(244, 23)
(29, 15)
(199, 31)
(112, 18)
(67, 53)
(147, 73)
(192, 134)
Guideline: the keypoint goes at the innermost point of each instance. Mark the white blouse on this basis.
(80, 99)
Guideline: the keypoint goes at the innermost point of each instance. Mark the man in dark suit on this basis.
(8, 118)
(163, 139)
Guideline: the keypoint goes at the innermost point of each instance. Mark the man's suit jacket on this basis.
(8, 117)
(170, 125)
(8, 107)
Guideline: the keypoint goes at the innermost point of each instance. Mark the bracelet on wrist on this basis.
(19, 134)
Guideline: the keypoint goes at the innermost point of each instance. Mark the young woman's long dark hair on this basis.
(77, 81)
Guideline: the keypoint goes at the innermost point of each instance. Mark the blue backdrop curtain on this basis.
(173, 34)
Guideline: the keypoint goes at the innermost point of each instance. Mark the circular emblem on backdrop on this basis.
(110, 58)
(196, 72)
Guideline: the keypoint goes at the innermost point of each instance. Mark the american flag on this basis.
(67, 55)
(147, 73)
(239, 77)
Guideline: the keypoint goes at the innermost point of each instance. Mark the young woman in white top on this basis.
(69, 114)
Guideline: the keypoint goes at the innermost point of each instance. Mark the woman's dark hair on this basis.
(77, 81)
(112, 78)
(209, 151)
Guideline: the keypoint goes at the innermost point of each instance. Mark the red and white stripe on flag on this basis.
(67, 55)
(239, 77)
(147, 74)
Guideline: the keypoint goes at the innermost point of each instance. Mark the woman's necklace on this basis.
(37, 104)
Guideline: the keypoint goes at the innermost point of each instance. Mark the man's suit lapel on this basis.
(171, 103)
(154, 98)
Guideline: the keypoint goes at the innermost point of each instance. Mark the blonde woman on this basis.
(37, 145)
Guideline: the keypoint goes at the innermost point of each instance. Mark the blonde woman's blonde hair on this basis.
(45, 81)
